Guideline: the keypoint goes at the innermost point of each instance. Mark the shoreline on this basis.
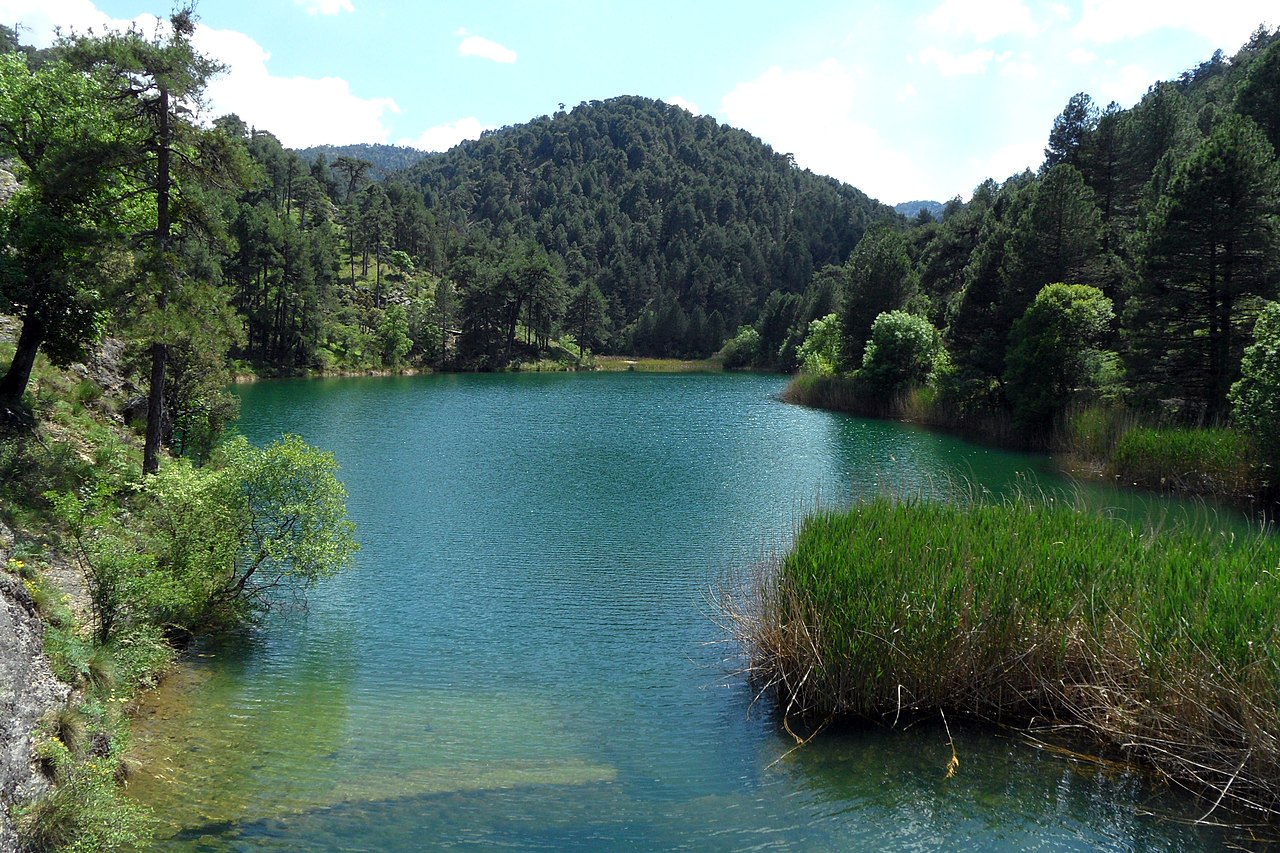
(835, 394)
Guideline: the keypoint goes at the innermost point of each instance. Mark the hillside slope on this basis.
(664, 210)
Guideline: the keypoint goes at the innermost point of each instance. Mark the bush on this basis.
(230, 538)
(1053, 352)
(743, 349)
(1255, 398)
(819, 353)
(900, 352)
(87, 813)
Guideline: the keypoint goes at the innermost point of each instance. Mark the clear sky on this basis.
(905, 100)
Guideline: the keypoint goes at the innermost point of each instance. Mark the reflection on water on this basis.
(524, 657)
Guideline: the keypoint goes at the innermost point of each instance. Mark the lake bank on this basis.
(601, 363)
(1097, 443)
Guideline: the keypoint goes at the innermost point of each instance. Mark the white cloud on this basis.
(684, 104)
(1226, 25)
(38, 19)
(906, 93)
(300, 111)
(483, 48)
(1022, 67)
(1125, 86)
(1080, 56)
(1006, 161)
(445, 136)
(952, 65)
(326, 7)
(984, 20)
(811, 114)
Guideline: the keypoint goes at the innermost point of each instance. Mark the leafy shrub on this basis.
(1255, 398)
(87, 813)
(900, 352)
(743, 349)
(819, 353)
(1053, 352)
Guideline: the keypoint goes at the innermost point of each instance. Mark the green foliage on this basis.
(384, 160)
(901, 352)
(87, 813)
(1259, 94)
(1211, 251)
(742, 349)
(1053, 352)
(393, 336)
(651, 200)
(1255, 397)
(1205, 460)
(1092, 431)
(820, 354)
(57, 129)
(233, 537)
(879, 278)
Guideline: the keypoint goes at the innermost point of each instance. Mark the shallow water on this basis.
(526, 655)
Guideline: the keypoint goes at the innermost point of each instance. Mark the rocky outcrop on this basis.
(28, 690)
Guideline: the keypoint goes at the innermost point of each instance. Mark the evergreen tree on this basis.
(878, 278)
(157, 80)
(1259, 95)
(68, 212)
(1070, 131)
(1212, 247)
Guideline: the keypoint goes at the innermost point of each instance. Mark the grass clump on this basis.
(86, 813)
(1203, 460)
(1162, 645)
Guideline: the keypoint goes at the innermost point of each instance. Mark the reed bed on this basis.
(915, 404)
(1160, 644)
(1204, 460)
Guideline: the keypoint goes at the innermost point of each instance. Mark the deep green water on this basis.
(526, 656)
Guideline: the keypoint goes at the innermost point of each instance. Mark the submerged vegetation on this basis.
(1161, 644)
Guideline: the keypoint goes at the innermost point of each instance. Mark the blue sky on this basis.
(903, 99)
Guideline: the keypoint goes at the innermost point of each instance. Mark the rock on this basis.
(28, 690)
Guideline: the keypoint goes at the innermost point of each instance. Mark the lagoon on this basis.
(527, 653)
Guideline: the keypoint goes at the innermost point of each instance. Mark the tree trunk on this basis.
(159, 350)
(14, 383)
(155, 409)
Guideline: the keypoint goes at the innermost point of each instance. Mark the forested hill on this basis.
(913, 209)
(685, 225)
(383, 159)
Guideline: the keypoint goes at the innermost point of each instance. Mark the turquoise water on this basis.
(527, 654)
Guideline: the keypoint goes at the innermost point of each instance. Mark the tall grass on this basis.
(1204, 460)
(922, 405)
(1162, 645)
(1090, 433)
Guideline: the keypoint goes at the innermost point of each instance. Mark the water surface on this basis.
(525, 655)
